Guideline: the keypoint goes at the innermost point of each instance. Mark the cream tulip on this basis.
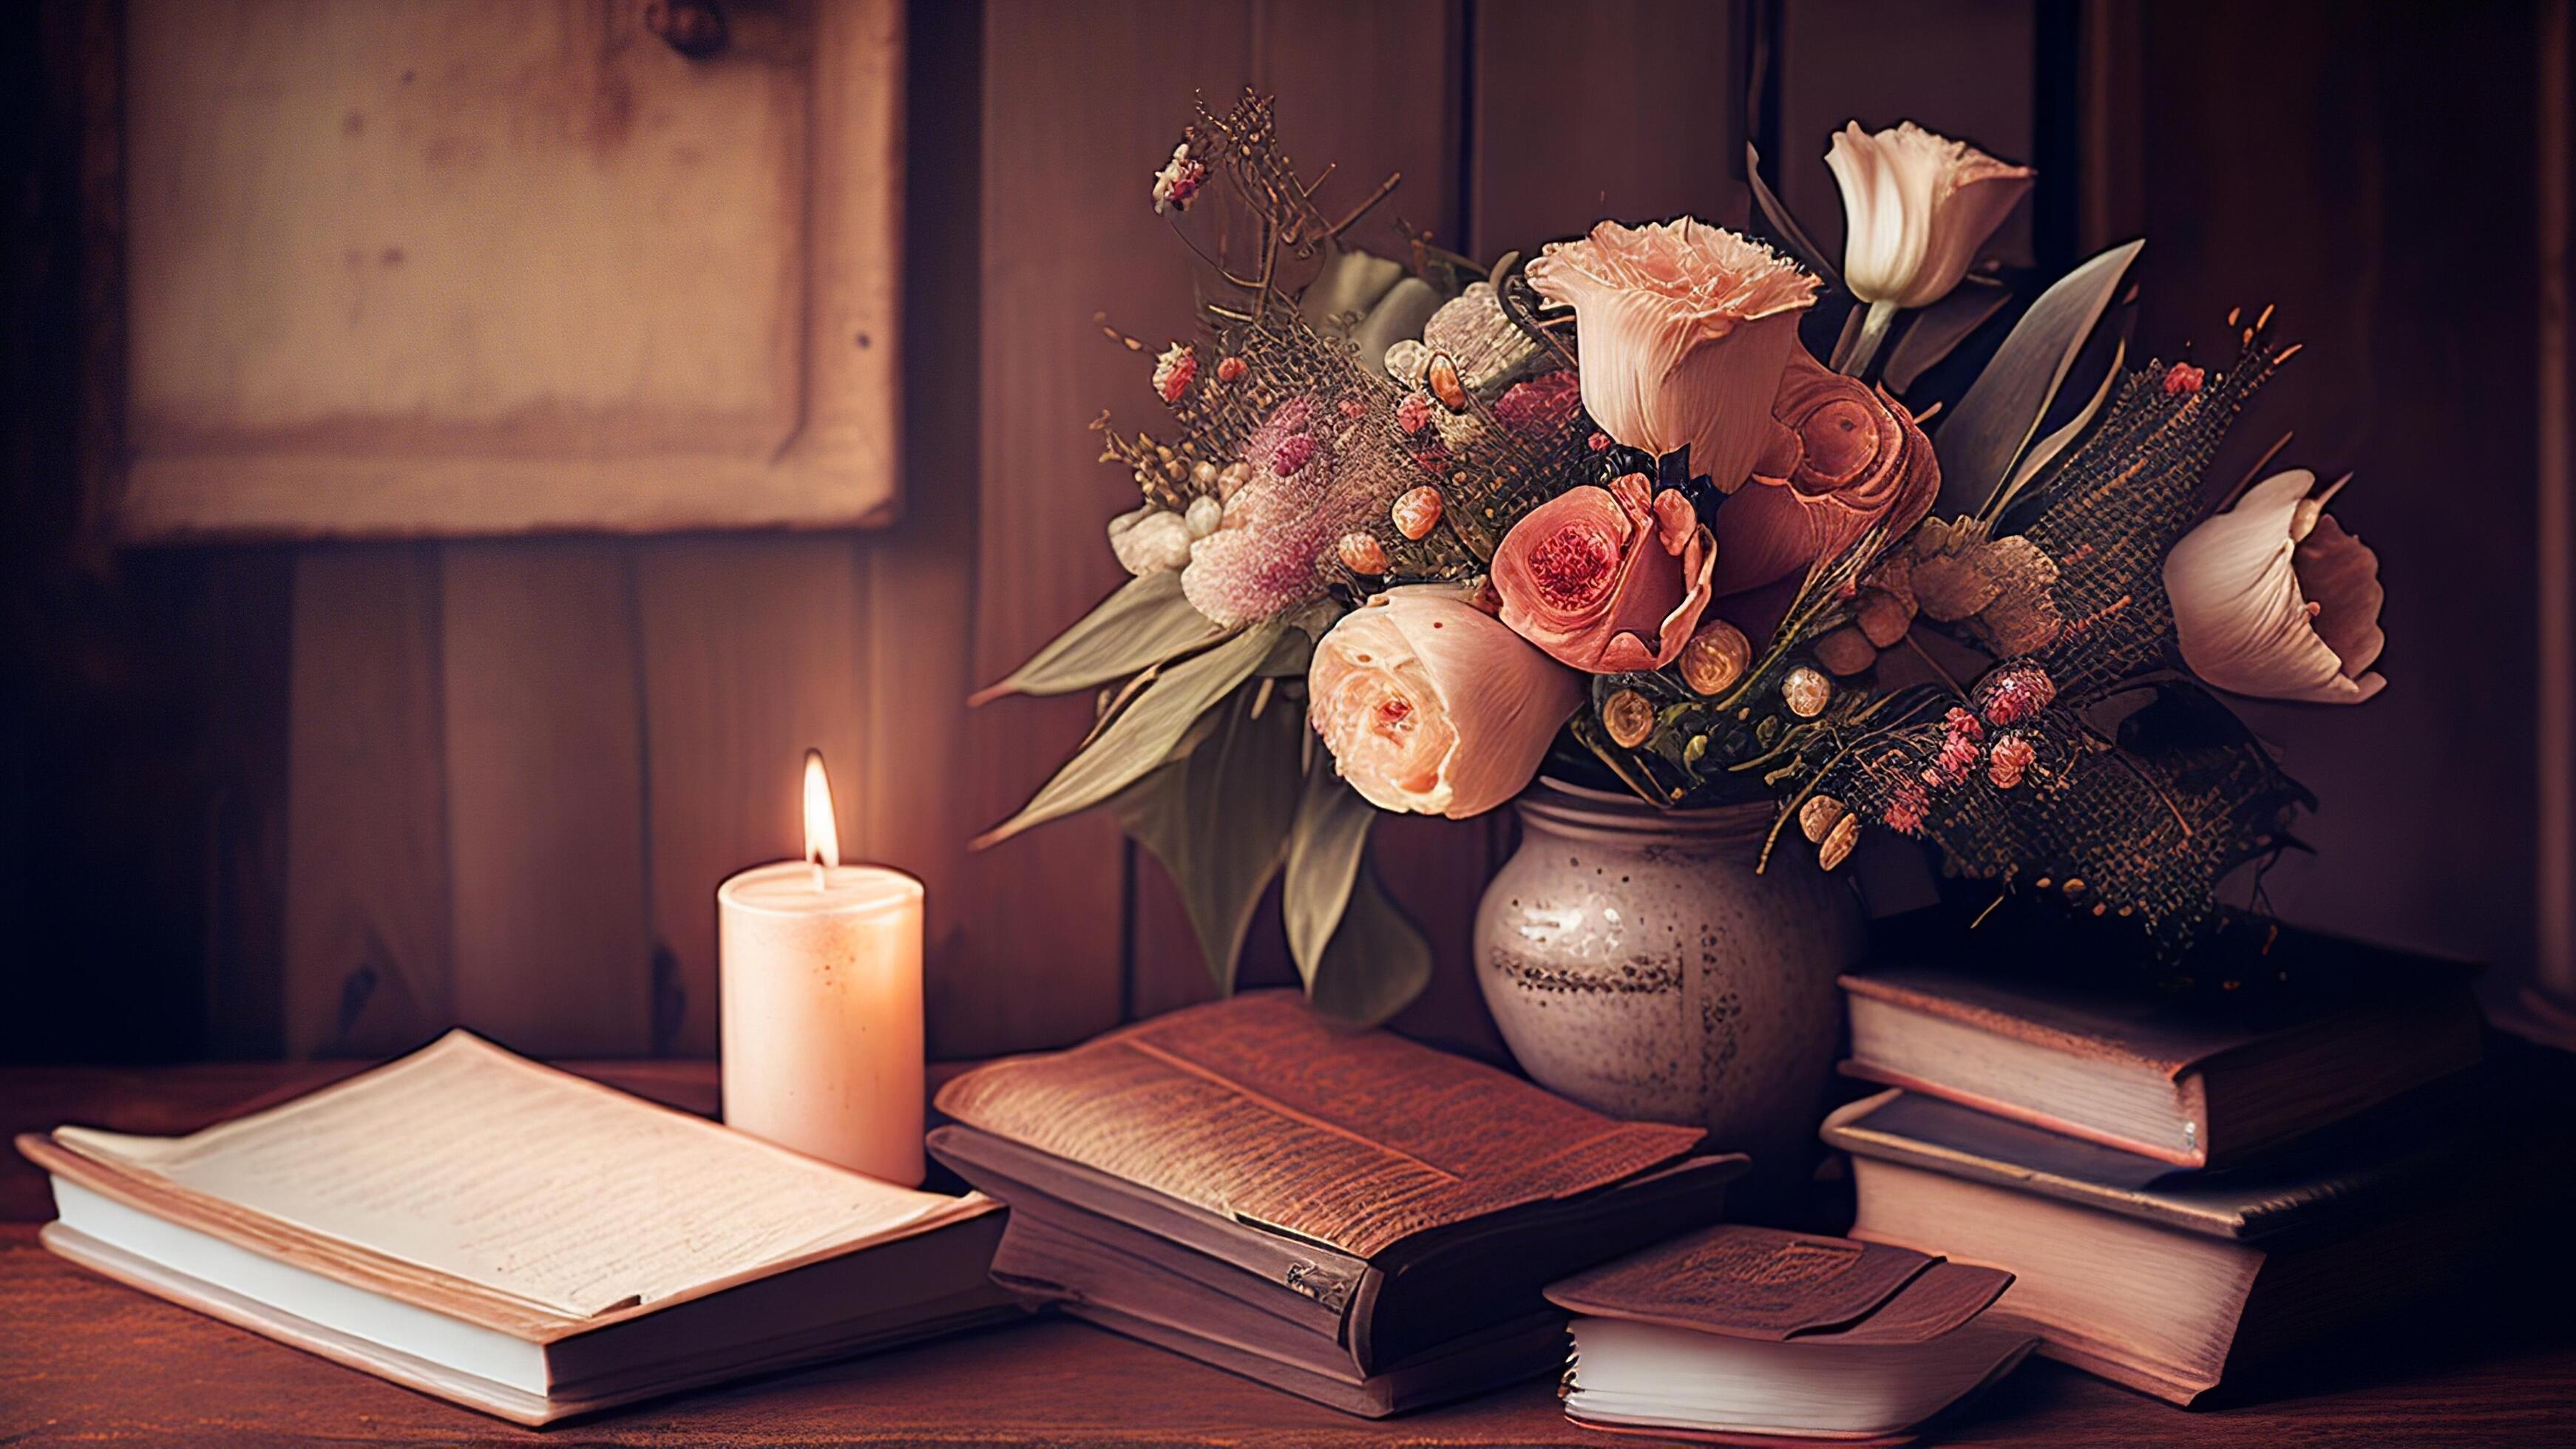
(2274, 599)
(1916, 206)
(1430, 706)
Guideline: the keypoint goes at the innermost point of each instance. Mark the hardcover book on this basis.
(1347, 1215)
(1752, 1335)
(522, 1241)
(2192, 1088)
(2172, 1282)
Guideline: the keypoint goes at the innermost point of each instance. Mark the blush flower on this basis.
(1313, 477)
(1430, 706)
(1846, 458)
(1607, 579)
(1683, 329)
(2274, 599)
(1916, 206)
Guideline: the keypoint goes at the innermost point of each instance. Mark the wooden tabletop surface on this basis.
(85, 1361)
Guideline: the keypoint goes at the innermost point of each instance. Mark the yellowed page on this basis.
(490, 1168)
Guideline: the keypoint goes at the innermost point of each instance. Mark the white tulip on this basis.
(2274, 599)
(1916, 206)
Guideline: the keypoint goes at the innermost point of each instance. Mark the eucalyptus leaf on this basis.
(1978, 443)
(1146, 622)
(1786, 226)
(1324, 850)
(1218, 819)
(1937, 330)
(1143, 734)
(1377, 960)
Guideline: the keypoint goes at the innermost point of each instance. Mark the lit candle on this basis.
(821, 973)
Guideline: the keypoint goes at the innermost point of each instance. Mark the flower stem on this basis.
(1873, 331)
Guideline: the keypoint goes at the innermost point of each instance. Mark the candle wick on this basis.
(822, 873)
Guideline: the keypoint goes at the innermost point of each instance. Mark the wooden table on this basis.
(85, 1361)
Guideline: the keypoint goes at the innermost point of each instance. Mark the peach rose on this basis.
(1916, 206)
(1683, 329)
(1607, 579)
(1432, 707)
(1846, 456)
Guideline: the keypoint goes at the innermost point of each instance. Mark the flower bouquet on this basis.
(1670, 509)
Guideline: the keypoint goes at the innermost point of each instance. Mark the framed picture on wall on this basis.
(431, 268)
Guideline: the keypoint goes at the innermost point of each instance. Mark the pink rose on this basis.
(1846, 457)
(1430, 706)
(1607, 579)
(1683, 329)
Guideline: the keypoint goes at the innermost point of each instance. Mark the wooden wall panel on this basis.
(1964, 68)
(751, 653)
(1073, 129)
(545, 802)
(2356, 224)
(2556, 190)
(1368, 89)
(367, 904)
(920, 602)
(1635, 111)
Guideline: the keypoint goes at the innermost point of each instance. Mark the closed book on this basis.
(2199, 1086)
(2168, 1281)
(525, 1242)
(1742, 1334)
(1349, 1215)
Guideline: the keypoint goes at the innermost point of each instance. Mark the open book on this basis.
(523, 1241)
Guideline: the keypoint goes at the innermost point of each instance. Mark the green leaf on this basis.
(1218, 819)
(1324, 852)
(1377, 961)
(1937, 330)
(1143, 734)
(2003, 408)
(1147, 622)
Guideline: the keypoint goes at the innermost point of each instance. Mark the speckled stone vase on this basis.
(1636, 963)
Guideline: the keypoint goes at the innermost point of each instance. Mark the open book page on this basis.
(470, 1161)
(1257, 1108)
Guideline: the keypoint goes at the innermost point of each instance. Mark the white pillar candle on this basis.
(820, 965)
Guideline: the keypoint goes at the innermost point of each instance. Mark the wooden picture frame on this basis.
(445, 268)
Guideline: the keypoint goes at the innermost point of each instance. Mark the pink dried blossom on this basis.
(1231, 369)
(1414, 413)
(1292, 454)
(1310, 484)
(1598, 442)
(1541, 405)
(1958, 757)
(1353, 408)
(1179, 180)
(1173, 371)
(2012, 755)
(1905, 807)
(2013, 693)
(1960, 722)
(2183, 378)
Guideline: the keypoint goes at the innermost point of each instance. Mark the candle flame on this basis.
(822, 836)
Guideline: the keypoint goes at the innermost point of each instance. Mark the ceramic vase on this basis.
(1635, 962)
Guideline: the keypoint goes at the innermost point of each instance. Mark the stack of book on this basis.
(2181, 1192)
(1342, 1214)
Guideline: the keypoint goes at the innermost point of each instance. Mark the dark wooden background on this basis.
(322, 800)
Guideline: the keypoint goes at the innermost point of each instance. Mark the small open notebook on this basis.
(520, 1240)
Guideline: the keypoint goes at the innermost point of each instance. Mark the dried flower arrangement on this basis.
(1601, 511)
